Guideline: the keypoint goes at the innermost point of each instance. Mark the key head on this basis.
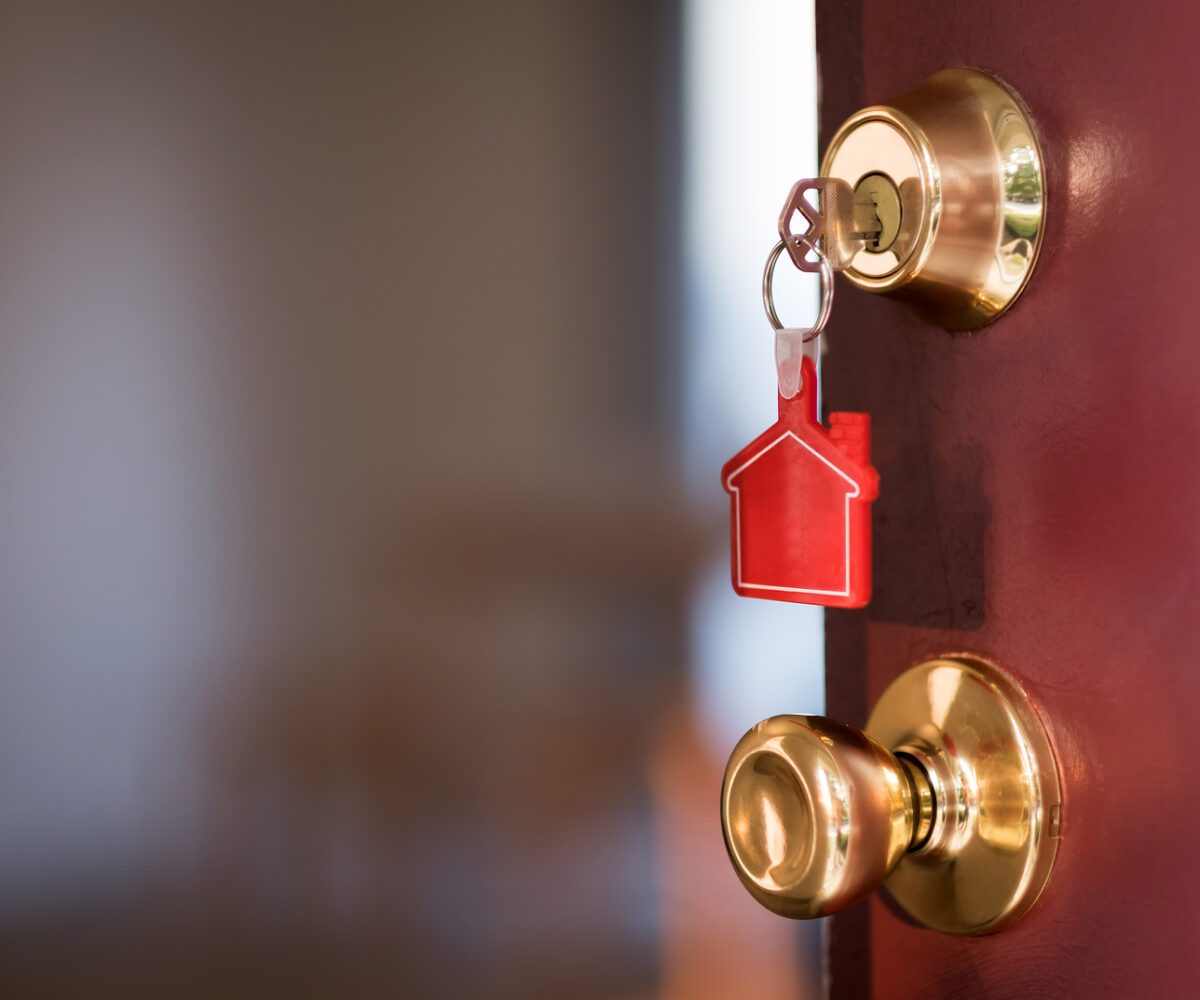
(828, 226)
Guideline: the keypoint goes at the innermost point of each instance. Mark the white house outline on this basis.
(737, 518)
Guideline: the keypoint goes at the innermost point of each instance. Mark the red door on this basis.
(1040, 488)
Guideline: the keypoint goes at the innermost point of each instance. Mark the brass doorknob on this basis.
(950, 797)
(816, 813)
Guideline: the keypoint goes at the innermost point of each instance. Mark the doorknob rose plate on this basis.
(958, 158)
(995, 780)
(950, 799)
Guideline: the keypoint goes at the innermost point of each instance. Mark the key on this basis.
(839, 226)
(821, 238)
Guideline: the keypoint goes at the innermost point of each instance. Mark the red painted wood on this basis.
(1040, 488)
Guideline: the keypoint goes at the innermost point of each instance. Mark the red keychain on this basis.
(800, 505)
(801, 493)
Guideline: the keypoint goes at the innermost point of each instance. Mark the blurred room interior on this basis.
(367, 370)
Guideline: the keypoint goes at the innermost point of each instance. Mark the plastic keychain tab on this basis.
(793, 344)
(800, 505)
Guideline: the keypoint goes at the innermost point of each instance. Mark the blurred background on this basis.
(365, 374)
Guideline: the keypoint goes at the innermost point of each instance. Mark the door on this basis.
(1040, 486)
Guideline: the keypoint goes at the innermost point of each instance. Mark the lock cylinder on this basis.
(878, 211)
(953, 176)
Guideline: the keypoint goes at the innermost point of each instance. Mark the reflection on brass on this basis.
(950, 799)
(963, 154)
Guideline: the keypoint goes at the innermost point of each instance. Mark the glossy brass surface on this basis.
(964, 156)
(815, 813)
(950, 798)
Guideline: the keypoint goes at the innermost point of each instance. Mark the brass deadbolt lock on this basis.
(950, 799)
(951, 179)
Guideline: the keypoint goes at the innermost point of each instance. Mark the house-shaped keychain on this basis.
(800, 506)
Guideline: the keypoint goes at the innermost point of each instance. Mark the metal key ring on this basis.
(826, 290)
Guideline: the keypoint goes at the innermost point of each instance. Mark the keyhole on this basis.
(877, 202)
